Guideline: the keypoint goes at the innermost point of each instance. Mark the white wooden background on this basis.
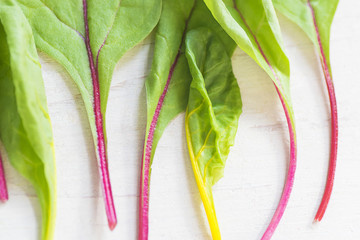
(248, 194)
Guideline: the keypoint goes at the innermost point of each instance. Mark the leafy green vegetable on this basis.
(88, 38)
(167, 86)
(254, 27)
(25, 127)
(212, 114)
(314, 17)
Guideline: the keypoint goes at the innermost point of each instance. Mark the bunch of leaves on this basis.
(187, 26)
(25, 128)
(314, 17)
(253, 25)
(88, 38)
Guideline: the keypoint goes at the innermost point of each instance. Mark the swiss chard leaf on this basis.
(25, 127)
(254, 27)
(167, 86)
(88, 38)
(212, 114)
(314, 17)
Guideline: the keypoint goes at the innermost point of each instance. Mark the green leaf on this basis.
(253, 25)
(212, 115)
(25, 127)
(88, 38)
(167, 86)
(314, 17)
(299, 11)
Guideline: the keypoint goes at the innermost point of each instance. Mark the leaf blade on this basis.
(254, 27)
(100, 32)
(25, 127)
(211, 120)
(177, 18)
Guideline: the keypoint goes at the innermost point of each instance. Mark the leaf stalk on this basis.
(206, 195)
(101, 144)
(146, 161)
(289, 181)
(4, 196)
(334, 124)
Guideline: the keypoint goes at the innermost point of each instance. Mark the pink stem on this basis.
(146, 160)
(145, 167)
(101, 145)
(334, 125)
(3, 188)
(289, 182)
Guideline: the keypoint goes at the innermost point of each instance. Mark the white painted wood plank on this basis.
(248, 194)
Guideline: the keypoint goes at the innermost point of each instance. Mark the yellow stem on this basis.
(207, 201)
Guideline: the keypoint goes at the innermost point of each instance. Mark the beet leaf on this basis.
(315, 18)
(254, 27)
(88, 37)
(167, 86)
(25, 128)
(212, 114)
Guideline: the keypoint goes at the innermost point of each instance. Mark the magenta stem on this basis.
(4, 196)
(101, 145)
(145, 167)
(334, 125)
(146, 160)
(289, 182)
